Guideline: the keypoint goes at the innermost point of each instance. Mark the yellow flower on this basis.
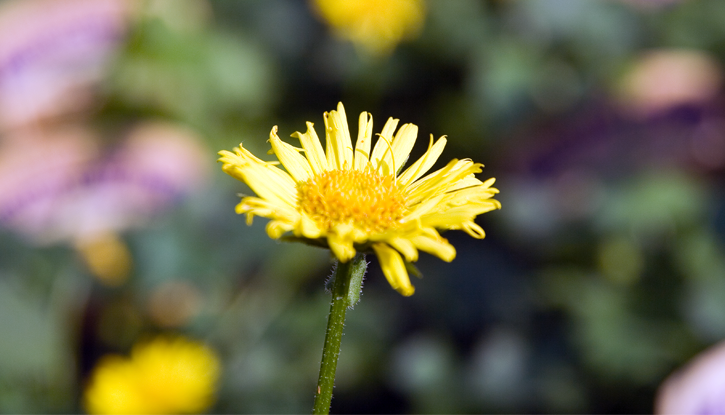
(355, 199)
(376, 25)
(106, 257)
(165, 375)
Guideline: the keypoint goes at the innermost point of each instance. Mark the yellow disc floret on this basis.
(363, 199)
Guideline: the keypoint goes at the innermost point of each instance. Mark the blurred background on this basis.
(603, 122)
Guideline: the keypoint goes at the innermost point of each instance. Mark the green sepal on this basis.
(357, 274)
(319, 242)
(413, 270)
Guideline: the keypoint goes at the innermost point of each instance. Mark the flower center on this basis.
(364, 199)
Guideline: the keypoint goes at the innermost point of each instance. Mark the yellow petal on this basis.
(390, 152)
(489, 183)
(276, 228)
(313, 149)
(297, 165)
(339, 143)
(382, 157)
(394, 269)
(457, 217)
(423, 164)
(308, 228)
(405, 247)
(341, 239)
(472, 182)
(255, 206)
(472, 228)
(267, 181)
(453, 210)
(426, 207)
(441, 180)
(468, 195)
(402, 144)
(364, 139)
(388, 130)
(434, 244)
(466, 182)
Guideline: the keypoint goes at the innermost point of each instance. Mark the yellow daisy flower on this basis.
(354, 199)
(166, 375)
(375, 25)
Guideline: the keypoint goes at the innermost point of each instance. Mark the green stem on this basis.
(345, 291)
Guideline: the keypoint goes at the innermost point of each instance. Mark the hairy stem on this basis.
(345, 291)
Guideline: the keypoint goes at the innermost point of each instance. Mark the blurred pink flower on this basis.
(36, 168)
(664, 79)
(52, 53)
(698, 388)
(57, 185)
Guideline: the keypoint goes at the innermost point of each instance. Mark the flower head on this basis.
(165, 375)
(375, 25)
(351, 199)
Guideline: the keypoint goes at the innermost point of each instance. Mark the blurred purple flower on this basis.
(698, 388)
(56, 185)
(52, 53)
(660, 80)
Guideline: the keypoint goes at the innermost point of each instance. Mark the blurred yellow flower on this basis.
(165, 375)
(375, 25)
(107, 257)
(354, 200)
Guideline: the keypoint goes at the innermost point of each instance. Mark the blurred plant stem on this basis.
(345, 293)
